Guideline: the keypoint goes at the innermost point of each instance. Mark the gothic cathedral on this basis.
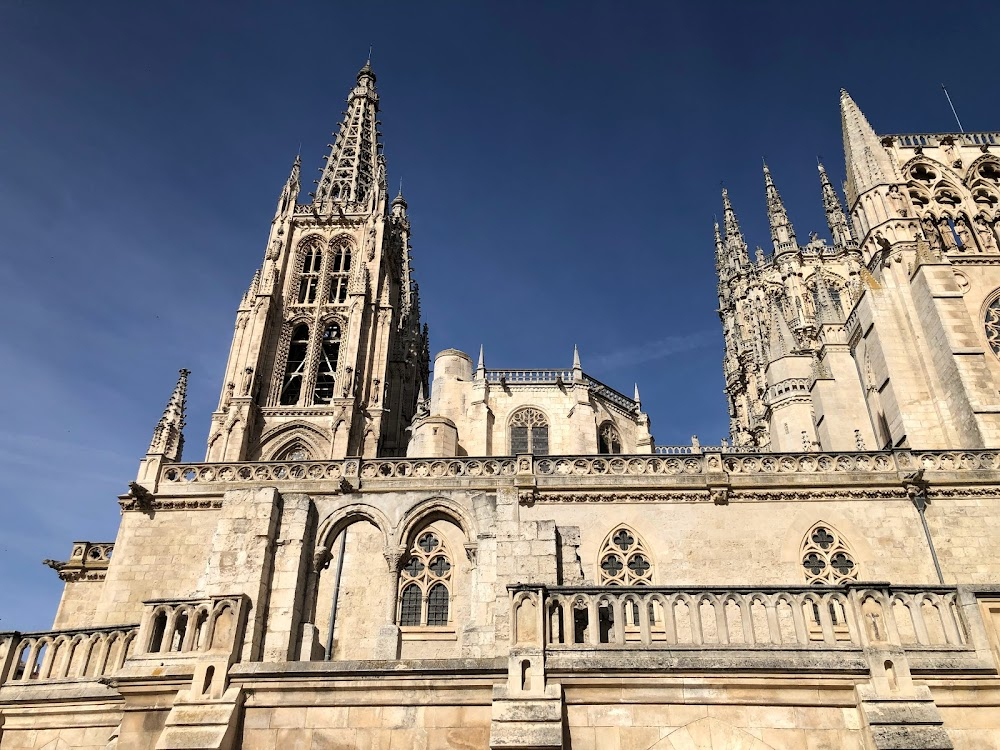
(369, 557)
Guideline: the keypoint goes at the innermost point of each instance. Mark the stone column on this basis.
(387, 642)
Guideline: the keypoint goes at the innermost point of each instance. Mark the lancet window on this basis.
(608, 440)
(425, 583)
(312, 263)
(339, 271)
(298, 348)
(326, 374)
(624, 560)
(826, 558)
(529, 432)
(992, 325)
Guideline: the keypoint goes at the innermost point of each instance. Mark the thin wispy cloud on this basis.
(651, 351)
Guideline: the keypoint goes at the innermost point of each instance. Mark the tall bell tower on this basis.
(329, 353)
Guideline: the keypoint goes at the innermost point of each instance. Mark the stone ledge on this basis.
(71, 690)
(918, 737)
(846, 661)
(372, 668)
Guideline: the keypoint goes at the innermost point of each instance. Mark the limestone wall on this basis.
(157, 556)
(760, 543)
(78, 605)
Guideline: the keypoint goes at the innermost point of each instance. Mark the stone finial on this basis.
(635, 397)
(168, 437)
(836, 220)
(576, 358)
(481, 365)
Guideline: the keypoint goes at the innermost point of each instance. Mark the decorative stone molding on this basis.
(87, 562)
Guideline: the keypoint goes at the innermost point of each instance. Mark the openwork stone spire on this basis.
(349, 177)
(782, 233)
(868, 164)
(835, 218)
(168, 437)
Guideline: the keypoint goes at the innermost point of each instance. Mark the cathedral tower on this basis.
(328, 353)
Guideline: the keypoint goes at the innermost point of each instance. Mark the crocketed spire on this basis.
(867, 162)
(782, 233)
(168, 437)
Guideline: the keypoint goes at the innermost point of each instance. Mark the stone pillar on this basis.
(387, 641)
(291, 577)
(241, 559)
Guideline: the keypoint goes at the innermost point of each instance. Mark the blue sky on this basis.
(562, 164)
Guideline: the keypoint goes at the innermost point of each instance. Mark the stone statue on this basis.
(931, 233)
(247, 380)
(964, 235)
(898, 201)
(986, 238)
(950, 152)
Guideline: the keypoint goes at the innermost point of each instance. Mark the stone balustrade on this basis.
(927, 140)
(667, 461)
(821, 617)
(183, 627)
(81, 654)
(529, 377)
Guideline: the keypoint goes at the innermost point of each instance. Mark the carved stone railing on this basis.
(667, 461)
(87, 561)
(926, 140)
(80, 654)
(623, 402)
(742, 618)
(529, 377)
(180, 628)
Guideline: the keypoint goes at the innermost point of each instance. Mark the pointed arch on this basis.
(609, 439)
(279, 440)
(827, 558)
(433, 509)
(340, 519)
(309, 265)
(528, 431)
(624, 559)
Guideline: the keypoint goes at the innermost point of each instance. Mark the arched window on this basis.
(992, 325)
(424, 581)
(608, 440)
(529, 432)
(624, 561)
(326, 375)
(298, 347)
(826, 558)
(309, 278)
(295, 452)
(340, 266)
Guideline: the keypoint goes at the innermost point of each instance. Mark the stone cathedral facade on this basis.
(371, 558)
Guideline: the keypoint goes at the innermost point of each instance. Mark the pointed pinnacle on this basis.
(636, 396)
(576, 358)
(482, 360)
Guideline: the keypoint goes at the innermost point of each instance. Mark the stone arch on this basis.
(805, 520)
(709, 733)
(340, 519)
(972, 173)
(278, 439)
(632, 558)
(432, 509)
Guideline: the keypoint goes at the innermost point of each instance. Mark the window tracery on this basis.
(326, 374)
(295, 452)
(992, 325)
(425, 583)
(624, 561)
(608, 440)
(339, 273)
(295, 365)
(529, 432)
(826, 558)
(312, 263)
